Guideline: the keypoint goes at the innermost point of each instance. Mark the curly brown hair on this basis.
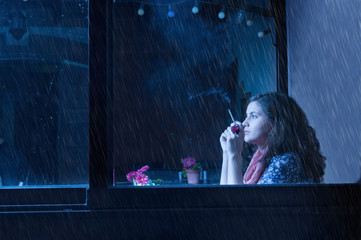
(291, 132)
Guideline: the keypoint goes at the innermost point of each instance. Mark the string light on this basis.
(250, 21)
(263, 33)
(195, 8)
(242, 12)
(170, 11)
(221, 14)
(141, 9)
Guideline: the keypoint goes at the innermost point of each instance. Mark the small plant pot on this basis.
(193, 176)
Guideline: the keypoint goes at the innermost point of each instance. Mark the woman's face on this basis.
(256, 125)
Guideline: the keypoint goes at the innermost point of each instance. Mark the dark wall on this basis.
(181, 224)
(161, 64)
(279, 212)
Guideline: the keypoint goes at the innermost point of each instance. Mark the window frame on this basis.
(102, 195)
(100, 119)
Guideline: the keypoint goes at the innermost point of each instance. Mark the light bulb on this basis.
(249, 22)
(141, 9)
(195, 10)
(261, 34)
(140, 12)
(221, 14)
(170, 11)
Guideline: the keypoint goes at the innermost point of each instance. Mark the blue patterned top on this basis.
(285, 168)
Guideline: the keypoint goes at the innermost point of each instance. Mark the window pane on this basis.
(175, 77)
(44, 92)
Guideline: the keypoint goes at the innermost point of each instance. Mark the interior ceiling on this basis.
(236, 3)
(68, 18)
(260, 7)
(257, 3)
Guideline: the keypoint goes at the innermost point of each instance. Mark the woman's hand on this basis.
(232, 146)
(234, 141)
(223, 141)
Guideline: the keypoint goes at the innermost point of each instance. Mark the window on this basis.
(55, 78)
(174, 77)
(170, 209)
(44, 107)
(44, 93)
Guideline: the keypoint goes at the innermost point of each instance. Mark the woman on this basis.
(288, 150)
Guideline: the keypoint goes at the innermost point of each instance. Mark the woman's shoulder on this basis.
(286, 158)
(286, 162)
(284, 168)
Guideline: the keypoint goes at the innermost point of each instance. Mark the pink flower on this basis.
(131, 175)
(143, 169)
(139, 177)
(142, 179)
(189, 162)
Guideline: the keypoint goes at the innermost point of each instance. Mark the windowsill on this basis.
(174, 183)
(181, 196)
(45, 186)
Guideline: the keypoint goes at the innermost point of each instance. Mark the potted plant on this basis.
(191, 170)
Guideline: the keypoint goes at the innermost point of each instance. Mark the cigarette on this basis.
(230, 114)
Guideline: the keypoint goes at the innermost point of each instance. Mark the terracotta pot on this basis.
(193, 176)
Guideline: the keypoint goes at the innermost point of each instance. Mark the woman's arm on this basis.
(232, 145)
(234, 174)
(224, 169)
(223, 141)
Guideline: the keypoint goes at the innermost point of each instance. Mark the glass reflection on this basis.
(44, 92)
